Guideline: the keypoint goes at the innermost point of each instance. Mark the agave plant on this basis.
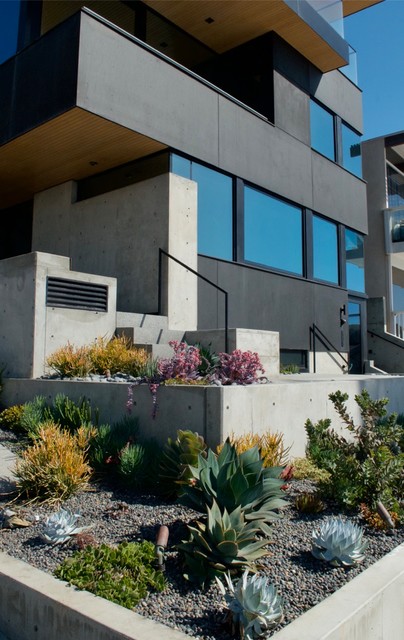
(231, 479)
(339, 543)
(61, 526)
(225, 542)
(254, 603)
(176, 458)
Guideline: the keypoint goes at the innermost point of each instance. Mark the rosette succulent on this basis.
(339, 543)
(61, 526)
(254, 603)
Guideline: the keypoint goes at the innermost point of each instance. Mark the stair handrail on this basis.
(199, 275)
(377, 335)
(314, 329)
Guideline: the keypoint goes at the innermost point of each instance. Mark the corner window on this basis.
(351, 150)
(322, 130)
(355, 262)
(325, 250)
(215, 207)
(272, 232)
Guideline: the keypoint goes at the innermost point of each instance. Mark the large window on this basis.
(272, 232)
(395, 187)
(9, 15)
(355, 261)
(215, 207)
(351, 150)
(322, 130)
(325, 250)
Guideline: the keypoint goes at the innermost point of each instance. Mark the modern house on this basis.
(383, 169)
(223, 133)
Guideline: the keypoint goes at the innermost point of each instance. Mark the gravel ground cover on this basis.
(116, 515)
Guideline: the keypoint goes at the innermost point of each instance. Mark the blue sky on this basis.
(377, 34)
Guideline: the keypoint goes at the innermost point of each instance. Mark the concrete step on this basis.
(143, 328)
(157, 350)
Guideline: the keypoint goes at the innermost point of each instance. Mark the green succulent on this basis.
(132, 462)
(176, 458)
(231, 479)
(255, 605)
(309, 503)
(225, 542)
(339, 543)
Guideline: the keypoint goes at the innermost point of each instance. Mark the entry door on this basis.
(357, 334)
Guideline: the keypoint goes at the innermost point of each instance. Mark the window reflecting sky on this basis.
(322, 130)
(272, 232)
(355, 263)
(325, 250)
(351, 151)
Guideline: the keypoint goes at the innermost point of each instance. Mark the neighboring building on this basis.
(222, 132)
(383, 170)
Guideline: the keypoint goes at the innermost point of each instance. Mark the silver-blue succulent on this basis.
(339, 542)
(61, 526)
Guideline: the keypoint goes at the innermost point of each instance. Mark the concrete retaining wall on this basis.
(34, 604)
(215, 412)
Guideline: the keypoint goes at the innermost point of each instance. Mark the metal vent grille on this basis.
(72, 294)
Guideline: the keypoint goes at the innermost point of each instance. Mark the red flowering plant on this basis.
(184, 364)
(239, 367)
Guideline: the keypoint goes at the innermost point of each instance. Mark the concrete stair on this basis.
(149, 332)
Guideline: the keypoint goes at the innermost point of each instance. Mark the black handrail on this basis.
(377, 335)
(199, 275)
(314, 329)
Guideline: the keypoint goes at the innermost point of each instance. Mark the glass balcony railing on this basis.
(351, 69)
(331, 11)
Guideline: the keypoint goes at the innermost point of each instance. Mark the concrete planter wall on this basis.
(34, 604)
(215, 412)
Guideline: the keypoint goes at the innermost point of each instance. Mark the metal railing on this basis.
(316, 333)
(391, 340)
(199, 275)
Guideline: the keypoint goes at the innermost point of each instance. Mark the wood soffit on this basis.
(66, 148)
(224, 24)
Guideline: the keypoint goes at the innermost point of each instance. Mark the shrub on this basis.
(117, 355)
(124, 574)
(374, 520)
(367, 468)
(309, 503)
(271, 447)
(70, 361)
(55, 467)
(10, 418)
(132, 466)
(109, 440)
(65, 412)
(239, 367)
(305, 469)
(183, 364)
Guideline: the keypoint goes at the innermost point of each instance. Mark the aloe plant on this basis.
(224, 542)
(61, 526)
(176, 458)
(254, 603)
(339, 543)
(231, 480)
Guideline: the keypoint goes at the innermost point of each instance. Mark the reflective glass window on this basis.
(395, 187)
(325, 250)
(215, 207)
(272, 232)
(9, 15)
(322, 130)
(355, 261)
(351, 151)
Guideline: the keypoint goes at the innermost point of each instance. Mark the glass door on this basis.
(356, 325)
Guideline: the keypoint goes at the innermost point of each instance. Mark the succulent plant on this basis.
(61, 526)
(225, 542)
(309, 503)
(254, 603)
(339, 543)
(176, 457)
(231, 480)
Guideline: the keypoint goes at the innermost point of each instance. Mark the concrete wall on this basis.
(29, 330)
(384, 348)
(283, 405)
(118, 234)
(114, 82)
(262, 300)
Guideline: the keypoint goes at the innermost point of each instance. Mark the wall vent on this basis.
(72, 294)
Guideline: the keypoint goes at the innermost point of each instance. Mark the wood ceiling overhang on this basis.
(353, 6)
(224, 24)
(72, 146)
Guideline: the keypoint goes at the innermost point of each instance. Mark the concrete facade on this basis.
(30, 330)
